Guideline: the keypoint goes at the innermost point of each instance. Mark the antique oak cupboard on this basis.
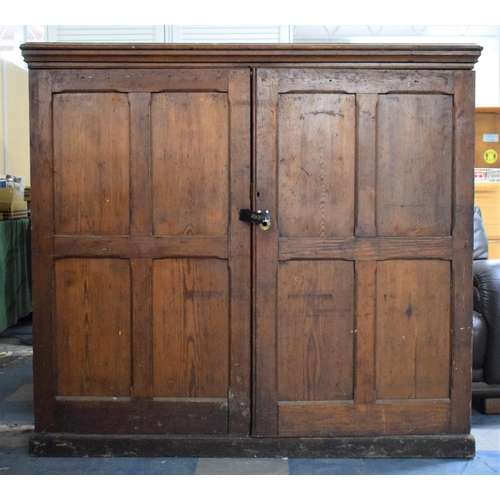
(172, 317)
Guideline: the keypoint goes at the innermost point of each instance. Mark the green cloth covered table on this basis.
(15, 271)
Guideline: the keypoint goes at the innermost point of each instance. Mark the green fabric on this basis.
(15, 271)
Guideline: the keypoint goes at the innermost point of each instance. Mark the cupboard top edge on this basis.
(69, 55)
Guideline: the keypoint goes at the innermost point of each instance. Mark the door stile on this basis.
(364, 345)
(366, 270)
(141, 224)
(463, 189)
(42, 209)
(239, 253)
(265, 422)
(366, 107)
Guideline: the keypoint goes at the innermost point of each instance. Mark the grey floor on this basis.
(16, 427)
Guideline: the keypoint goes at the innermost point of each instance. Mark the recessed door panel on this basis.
(91, 163)
(93, 336)
(190, 163)
(190, 328)
(316, 165)
(315, 331)
(414, 165)
(413, 330)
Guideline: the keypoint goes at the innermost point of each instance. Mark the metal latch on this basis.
(260, 217)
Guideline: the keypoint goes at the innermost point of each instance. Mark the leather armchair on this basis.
(485, 324)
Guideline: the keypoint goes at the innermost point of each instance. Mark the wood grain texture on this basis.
(143, 417)
(365, 81)
(434, 56)
(462, 304)
(265, 410)
(316, 165)
(414, 165)
(347, 419)
(413, 330)
(190, 328)
(190, 163)
(365, 248)
(141, 246)
(315, 331)
(91, 163)
(366, 105)
(137, 80)
(93, 318)
(142, 331)
(240, 254)
(366, 314)
(42, 229)
(140, 168)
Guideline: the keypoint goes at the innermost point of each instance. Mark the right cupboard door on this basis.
(363, 281)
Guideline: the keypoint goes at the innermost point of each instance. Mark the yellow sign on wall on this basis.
(490, 156)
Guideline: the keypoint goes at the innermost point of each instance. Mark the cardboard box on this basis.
(11, 188)
(13, 210)
(9, 195)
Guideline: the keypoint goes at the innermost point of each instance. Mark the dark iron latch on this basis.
(260, 217)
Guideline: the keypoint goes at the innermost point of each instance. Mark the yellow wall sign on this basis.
(490, 156)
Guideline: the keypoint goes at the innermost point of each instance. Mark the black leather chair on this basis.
(485, 324)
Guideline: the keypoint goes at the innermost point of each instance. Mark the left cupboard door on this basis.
(142, 291)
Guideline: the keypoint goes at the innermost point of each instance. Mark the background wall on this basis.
(14, 129)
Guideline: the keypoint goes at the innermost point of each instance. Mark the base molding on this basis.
(93, 445)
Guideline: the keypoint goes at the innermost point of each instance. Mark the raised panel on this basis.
(316, 148)
(93, 345)
(190, 328)
(190, 157)
(91, 163)
(315, 331)
(413, 329)
(414, 165)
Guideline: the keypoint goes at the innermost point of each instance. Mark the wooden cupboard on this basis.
(487, 185)
(165, 323)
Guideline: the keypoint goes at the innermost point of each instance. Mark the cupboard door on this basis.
(152, 265)
(360, 313)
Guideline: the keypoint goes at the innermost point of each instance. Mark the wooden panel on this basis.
(366, 283)
(190, 163)
(315, 331)
(365, 81)
(190, 328)
(140, 174)
(364, 248)
(138, 80)
(93, 327)
(414, 170)
(487, 124)
(142, 334)
(91, 163)
(117, 416)
(366, 164)
(316, 165)
(413, 329)
(344, 419)
(137, 247)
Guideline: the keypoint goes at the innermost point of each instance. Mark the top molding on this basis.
(377, 56)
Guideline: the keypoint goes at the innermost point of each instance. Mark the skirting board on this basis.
(421, 446)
